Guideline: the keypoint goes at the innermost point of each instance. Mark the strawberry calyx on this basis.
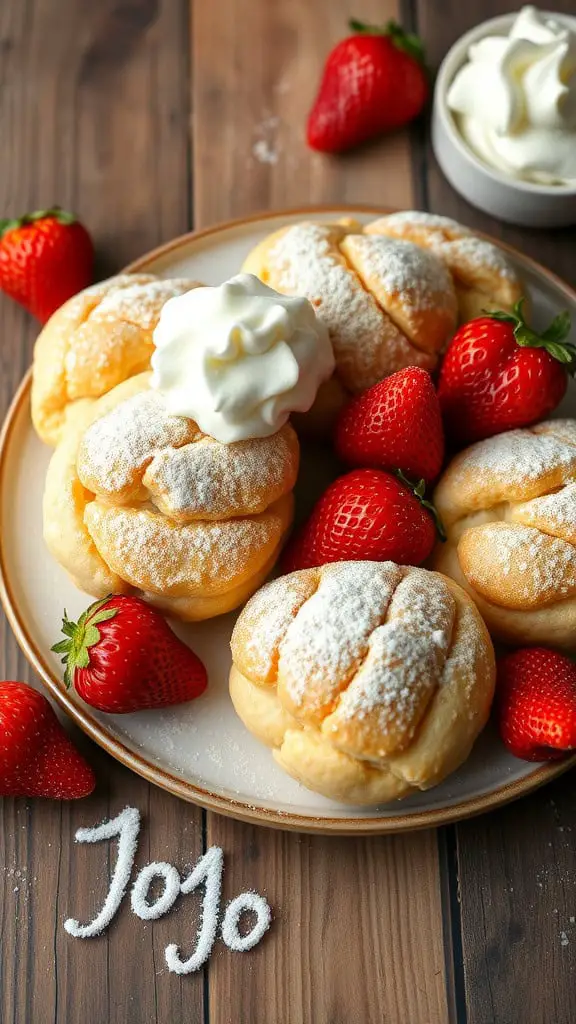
(553, 339)
(12, 223)
(406, 41)
(419, 492)
(81, 636)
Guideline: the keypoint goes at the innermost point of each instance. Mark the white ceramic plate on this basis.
(201, 751)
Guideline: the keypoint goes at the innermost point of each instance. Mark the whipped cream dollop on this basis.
(239, 358)
(515, 100)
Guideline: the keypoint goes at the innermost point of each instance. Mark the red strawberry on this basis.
(122, 656)
(36, 756)
(499, 374)
(365, 515)
(536, 702)
(373, 82)
(396, 424)
(45, 257)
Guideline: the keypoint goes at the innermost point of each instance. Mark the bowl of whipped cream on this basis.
(504, 118)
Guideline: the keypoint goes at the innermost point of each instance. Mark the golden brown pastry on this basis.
(387, 303)
(138, 500)
(483, 276)
(509, 509)
(97, 339)
(369, 680)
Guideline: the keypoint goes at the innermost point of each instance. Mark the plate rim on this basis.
(239, 809)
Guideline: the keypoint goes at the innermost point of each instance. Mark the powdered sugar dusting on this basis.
(207, 479)
(306, 261)
(264, 623)
(539, 568)
(477, 253)
(405, 270)
(140, 303)
(553, 513)
(387, 697)
(326, 642)
(116, 446)
(405, 218)
(181, 561)
(469, 258)
(514, 458)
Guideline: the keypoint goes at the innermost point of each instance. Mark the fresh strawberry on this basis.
(365, 515)
(536, 703)
(122, 656)
(36, 756)
(499, 374)
(45, 257)
(396, 424)
(373, 82)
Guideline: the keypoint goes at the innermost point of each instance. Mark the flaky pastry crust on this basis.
(368, 680)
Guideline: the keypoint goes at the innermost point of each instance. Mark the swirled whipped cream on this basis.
(240, 357)
(515, 100)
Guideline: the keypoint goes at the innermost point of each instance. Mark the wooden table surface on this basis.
(151, 117)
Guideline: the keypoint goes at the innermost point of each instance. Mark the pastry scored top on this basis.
(367, 678)
(483, 276)
(387, 303)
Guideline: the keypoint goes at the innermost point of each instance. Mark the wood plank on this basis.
(94, 114)
(515, 868)
(358, 929)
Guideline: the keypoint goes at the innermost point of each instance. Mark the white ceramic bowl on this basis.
(520, 202)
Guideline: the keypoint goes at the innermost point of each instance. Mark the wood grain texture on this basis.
(514, 869)
(94, 115)
(358, 929)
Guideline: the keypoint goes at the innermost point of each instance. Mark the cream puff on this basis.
(508, 505)
(140, 500)
(368, 680)
(387, 303)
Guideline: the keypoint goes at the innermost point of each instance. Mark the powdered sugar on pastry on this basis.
(389, 694)
(182, 561)
(306, 260)
(405, 270)
(117, 446)
(328, 639)
(518, 566)
(138, 302)
(421, 218)
(209, 480)
(514, 459)
(139, 451)
(382, 681)
(552, 513)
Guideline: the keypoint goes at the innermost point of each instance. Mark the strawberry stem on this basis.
(12, 223)
(407, 41)
(553, 339)
(80, 637)
(419, 491)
